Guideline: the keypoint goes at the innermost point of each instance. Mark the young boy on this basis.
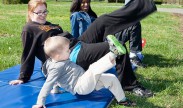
(60, 71)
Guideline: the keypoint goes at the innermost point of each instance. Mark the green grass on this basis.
(163, 51)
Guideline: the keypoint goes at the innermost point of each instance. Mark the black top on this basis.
(33, 37)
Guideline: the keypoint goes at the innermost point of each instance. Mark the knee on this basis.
(113, 77)
(84, 90)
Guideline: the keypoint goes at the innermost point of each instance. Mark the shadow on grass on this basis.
(158, 84)
(141, 102)
(161, 61)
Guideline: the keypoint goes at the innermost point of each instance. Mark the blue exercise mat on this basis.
(25, 95)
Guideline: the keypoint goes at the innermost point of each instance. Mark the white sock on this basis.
(124, 99)
(135, 54)
(132, 55)
(112, 57)
(139, 53)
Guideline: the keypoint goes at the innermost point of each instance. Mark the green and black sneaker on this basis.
(115, 46)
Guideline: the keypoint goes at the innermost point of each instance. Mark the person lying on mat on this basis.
(82, 16)
(38, 29)
(62, 72)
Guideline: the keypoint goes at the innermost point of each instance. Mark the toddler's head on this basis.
(57, 48)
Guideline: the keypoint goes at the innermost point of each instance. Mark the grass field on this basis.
(163, 51)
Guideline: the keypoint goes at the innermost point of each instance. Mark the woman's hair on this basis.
(55, 44)
(32, 5)
(75, 7)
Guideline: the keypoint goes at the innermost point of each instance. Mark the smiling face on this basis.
(39, 14)
(85, 5)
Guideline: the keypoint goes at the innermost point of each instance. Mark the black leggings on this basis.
(133, 35)
(118, 20)
(91, 50)
(90, 53)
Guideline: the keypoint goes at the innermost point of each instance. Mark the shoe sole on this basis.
(117, 44)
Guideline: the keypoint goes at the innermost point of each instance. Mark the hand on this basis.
(38, 106)
(15, 82)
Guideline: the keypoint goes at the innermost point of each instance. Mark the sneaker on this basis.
(142, 92)
(127, 103)
(115, 46)
(137, 62)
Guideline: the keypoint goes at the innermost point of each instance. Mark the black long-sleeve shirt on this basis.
(33, 37)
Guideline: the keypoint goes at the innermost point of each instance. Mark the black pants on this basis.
(118, 20)
(133, 35)
(112, 23)
(90, 53)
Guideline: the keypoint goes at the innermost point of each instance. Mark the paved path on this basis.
(172, 10)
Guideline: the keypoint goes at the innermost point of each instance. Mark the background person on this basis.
(81, 16)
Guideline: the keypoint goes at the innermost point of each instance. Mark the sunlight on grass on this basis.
(163, 51)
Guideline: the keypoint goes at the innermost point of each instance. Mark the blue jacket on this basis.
(80, 21)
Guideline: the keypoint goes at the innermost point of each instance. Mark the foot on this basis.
(127, 103)
(142, 92)
(54, 91)
(137, 62)
(38, 106)
(115, 45)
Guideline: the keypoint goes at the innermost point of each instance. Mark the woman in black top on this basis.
(92, 45)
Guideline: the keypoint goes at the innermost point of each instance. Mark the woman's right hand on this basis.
(16, 82)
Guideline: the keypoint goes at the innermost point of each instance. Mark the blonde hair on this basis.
(32, 5)
(55, 44)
